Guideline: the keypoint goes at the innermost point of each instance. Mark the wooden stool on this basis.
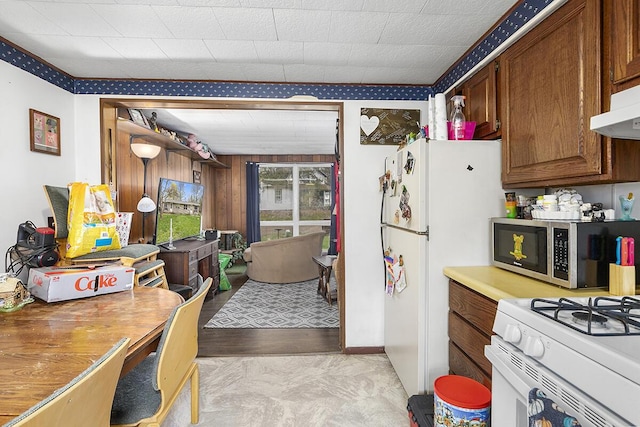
(150, 273)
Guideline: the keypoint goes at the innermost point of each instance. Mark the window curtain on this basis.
(253, 203)
(334, 233)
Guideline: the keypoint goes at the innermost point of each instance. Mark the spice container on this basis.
(510, 205)
(550, 202)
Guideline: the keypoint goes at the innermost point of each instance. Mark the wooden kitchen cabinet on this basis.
(190, 258)
(471, 317)
(482, 101)
(625, 42)
(550, 89)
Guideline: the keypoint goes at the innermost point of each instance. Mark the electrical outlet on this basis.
(636, 123)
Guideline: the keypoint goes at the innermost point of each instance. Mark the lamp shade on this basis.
(145, 151)
(146, 204)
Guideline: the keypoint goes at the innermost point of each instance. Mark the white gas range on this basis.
(582, 353)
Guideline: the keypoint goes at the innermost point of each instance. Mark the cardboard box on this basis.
(53, 284)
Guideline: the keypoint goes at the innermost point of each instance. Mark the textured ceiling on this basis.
(302, 41)
(331, 41)
(230, 132)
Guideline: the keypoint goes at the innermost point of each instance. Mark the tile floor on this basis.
(307, 390)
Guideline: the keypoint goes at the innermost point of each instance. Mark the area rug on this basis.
(276, 305)
(236, 269)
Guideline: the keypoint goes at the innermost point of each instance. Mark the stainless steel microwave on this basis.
(572, 254)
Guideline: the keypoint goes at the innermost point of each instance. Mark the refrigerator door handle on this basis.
(420, 233)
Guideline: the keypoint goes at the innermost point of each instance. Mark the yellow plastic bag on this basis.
(92, 220)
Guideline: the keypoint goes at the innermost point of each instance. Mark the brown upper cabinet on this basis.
(550, 89)
(481, 101)
(625, 43)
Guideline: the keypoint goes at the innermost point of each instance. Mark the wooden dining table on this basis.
(43, 346)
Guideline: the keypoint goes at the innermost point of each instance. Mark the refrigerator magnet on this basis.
(408, 166)
(401, 278)
(404, 204)
(390, 279)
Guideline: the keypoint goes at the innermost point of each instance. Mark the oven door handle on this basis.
(521, 384)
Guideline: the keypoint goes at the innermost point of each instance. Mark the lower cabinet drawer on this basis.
(460, 364)
(193, 269)
(193, 282)
(205, 251)
(475, 308)
(470, 340)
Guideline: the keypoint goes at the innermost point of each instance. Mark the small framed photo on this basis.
(44, 130)
(138, 118)
(196, 177)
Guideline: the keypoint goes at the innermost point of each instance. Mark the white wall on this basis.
(364, 270)
(609, 195)
(87, 111)
(22, 172)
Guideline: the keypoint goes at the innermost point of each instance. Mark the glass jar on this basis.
(510, 205)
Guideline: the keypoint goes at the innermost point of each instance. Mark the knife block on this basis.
(622, 279)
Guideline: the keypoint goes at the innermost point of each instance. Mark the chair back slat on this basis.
(178, 346)
(58, 198)
(86, 400)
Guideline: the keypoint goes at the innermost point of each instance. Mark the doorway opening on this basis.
(225, 208)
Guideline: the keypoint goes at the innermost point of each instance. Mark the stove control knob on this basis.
(534, 347)
(512, 334)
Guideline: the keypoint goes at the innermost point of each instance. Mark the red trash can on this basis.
(458, 400)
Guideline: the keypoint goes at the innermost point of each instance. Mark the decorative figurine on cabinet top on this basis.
(627, 206)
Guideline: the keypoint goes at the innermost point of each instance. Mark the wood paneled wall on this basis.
(130, 182)
(229, 202)
(225, 201)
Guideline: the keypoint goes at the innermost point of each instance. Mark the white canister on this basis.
(441, 117)
(550, 202)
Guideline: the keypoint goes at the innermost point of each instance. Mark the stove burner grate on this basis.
(583, 317)
(594, 316)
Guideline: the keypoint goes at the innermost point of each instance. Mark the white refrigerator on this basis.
(438, 197)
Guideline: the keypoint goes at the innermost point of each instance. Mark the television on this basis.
(179, 211)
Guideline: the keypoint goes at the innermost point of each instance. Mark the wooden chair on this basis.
(145, 395)
(143, 257)
(86, 400)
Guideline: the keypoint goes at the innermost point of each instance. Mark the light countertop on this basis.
(497, 284)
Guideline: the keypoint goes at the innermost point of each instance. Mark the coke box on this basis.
(53, 284)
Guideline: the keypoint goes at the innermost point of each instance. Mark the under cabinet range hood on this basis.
(623, 121)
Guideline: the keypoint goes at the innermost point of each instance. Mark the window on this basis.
(295, 199)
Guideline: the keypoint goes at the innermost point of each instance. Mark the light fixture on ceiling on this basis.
(306, 98)
(145, 152)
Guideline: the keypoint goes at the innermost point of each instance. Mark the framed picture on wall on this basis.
(44, 131)
(196, 177)
(138, 118)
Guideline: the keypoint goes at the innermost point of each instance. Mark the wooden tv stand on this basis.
(189, 258)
